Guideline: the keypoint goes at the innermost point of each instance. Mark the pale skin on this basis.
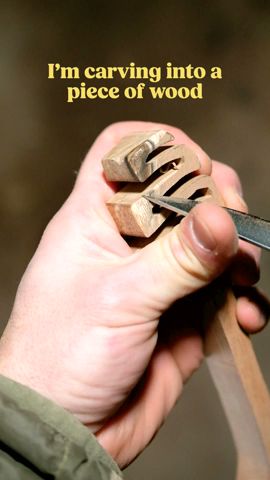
(83, 330)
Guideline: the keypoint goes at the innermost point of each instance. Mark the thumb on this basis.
(188, 258)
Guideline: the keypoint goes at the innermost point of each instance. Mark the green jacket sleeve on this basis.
(39, 440)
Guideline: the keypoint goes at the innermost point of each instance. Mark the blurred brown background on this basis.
(44, 139)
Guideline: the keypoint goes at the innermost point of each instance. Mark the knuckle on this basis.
(110, 131)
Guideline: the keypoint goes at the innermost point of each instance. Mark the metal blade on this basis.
(177, 205)
(250, 228)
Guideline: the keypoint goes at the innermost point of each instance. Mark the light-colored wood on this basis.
(133, 214)
(241, 387)
(230, 356)
(127, 161)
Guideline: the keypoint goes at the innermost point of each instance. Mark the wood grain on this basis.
(240, 384)
(133, 214)
(127, 161)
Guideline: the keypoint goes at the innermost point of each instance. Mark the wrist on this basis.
(15, 363)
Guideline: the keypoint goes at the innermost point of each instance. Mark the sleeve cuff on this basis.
(50, 439)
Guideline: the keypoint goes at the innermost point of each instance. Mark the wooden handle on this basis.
(241, 387)
(230, 356)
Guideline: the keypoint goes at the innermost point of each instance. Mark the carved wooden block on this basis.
(128, 161)
(136, 216)
(174, 171)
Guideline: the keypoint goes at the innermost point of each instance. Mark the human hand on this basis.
(83, 331)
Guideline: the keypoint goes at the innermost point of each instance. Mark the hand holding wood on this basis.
(84, 327)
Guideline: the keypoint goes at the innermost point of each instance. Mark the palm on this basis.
(173, 359)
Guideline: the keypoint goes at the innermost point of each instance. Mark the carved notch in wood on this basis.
(129, 161)
(172, 171)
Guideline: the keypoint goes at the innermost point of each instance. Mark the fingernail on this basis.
(242, 202)
(200, 233)
(234, 199)
(238, 189)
